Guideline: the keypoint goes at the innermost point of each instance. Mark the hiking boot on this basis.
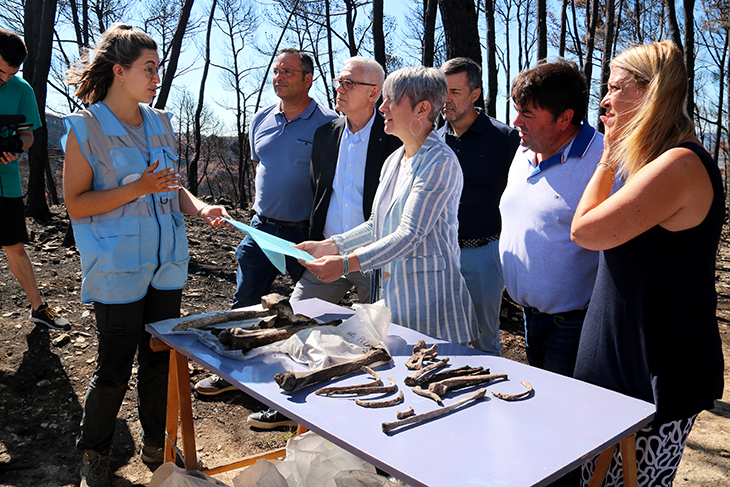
(155, 456)
(213, 385)
(48, 316)
(95, 471)
(269, 419)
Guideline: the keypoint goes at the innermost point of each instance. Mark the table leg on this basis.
(186, 409)
(604, 461)
(173, 411)
(628, 454)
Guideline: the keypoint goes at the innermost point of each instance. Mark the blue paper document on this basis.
(274, 247)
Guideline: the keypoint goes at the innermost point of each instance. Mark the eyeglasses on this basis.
(286, 72)
(151, 71)
(348, 84)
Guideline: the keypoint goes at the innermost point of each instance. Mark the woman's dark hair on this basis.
(120, 44)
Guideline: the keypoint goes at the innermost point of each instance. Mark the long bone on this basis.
(434, 413)
(290, 381)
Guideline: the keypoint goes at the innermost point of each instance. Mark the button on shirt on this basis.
(345, 209)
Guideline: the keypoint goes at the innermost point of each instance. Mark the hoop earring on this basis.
(420, 128)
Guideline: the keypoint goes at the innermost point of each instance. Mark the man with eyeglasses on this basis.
(17, 98)
(281, 138)
(347, 156)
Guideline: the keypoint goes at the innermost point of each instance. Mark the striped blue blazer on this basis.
(414, 253)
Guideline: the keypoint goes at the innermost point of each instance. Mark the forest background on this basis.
(217, 57)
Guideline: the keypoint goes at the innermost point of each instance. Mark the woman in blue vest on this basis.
(126, 206)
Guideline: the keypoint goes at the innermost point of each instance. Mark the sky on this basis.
(216, 95)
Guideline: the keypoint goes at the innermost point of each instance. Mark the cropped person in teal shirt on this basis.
(17, 98)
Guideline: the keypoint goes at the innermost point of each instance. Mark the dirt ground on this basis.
(44, 374)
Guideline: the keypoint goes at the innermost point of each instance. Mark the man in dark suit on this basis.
(347, 155)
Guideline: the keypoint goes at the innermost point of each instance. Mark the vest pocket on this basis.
(180, 252)
(119, 245)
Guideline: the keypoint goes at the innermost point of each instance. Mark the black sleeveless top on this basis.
(651, 328)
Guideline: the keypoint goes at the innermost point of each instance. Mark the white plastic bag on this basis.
(263, 473)
(325, 346)
(312, 461)
(170, 475)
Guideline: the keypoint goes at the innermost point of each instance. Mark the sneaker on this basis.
(46, 315)
(213, 385)
(153, 455)
(269, 419)
(95, 471)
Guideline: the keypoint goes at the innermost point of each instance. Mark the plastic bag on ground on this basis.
(312, 461)
(263, 473)
(170, 475)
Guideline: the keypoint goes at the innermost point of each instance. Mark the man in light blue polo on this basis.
(281, 137)
(544, 271)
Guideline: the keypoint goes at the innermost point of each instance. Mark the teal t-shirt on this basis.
(16, 98)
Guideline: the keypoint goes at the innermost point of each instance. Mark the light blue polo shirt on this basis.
(542, 267)
(284, 149)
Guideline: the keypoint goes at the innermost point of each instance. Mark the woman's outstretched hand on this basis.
(319, 249)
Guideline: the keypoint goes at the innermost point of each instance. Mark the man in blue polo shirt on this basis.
(544, 271)
(281, 137)
(485, 148)
(17, 98)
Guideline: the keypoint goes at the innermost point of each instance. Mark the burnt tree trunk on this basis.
(492, 90)
(462, 34)
(175, 50)
(38, 32)
(379, 34)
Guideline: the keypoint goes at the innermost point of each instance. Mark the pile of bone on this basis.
(425, 381)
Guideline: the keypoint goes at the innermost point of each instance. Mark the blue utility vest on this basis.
(143, 242)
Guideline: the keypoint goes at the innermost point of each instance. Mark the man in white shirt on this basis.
(347, 155)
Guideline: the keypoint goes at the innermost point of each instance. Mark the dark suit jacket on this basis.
(325, 151)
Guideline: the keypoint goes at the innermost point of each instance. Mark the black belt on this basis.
(565, 315)
(304, 224)
(472, 243)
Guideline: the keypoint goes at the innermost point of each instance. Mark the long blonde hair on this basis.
(120, 44)
(661, 120)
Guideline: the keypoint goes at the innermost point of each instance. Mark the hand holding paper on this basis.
(274, 247)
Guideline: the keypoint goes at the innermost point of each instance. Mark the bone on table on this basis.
(273, 304)
(290, 381)
(382, 404)
(412, 379)
(514, 397)
(246, 339)
(428, 394)
(441, 388)
(374, 387)
(434, 413)
(404, 414)
(421, 353)
(448, 374)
